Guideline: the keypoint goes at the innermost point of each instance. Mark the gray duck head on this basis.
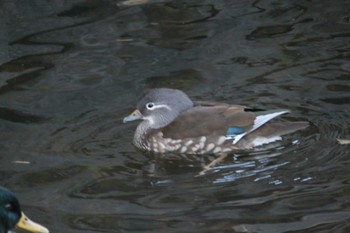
(160, 107)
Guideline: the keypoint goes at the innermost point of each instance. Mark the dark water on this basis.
(71, 70)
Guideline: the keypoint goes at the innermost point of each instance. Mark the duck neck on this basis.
(140, 135)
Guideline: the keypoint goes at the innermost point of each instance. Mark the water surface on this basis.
(71, 70)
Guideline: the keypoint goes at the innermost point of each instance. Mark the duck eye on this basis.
(150, 106)
(8, 206)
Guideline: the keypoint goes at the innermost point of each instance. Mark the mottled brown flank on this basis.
(202, 145)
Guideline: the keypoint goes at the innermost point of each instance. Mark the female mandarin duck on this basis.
(174, 123)
(11, 215)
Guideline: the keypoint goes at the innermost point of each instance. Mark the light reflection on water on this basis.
(71, 71)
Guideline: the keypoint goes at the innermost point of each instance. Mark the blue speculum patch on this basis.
(234, 131)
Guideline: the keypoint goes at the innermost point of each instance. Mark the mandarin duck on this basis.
(172, 122)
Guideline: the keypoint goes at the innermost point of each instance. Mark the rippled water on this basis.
(71, 70)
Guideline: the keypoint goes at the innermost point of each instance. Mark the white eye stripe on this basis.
(162, 106)
(158, 106)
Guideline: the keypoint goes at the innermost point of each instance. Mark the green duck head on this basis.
(11, 215)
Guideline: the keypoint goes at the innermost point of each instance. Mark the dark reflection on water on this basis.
(179, 79)
(175, 24)
(71, 70)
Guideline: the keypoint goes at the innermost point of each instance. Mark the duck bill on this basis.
(26, 224)
(135, 115)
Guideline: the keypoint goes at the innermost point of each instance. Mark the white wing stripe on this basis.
(258, 122)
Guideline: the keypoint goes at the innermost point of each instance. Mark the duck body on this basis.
(11, 215)
(173, 123)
